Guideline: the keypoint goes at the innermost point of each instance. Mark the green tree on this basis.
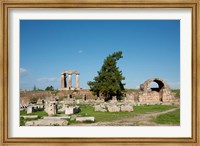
(109, 80)
(49, 88)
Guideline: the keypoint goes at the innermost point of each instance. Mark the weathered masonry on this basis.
(67, 85)
(160, 94)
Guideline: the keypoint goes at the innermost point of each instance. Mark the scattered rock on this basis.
(30, 117)
(126, 108)
(29, 109)
(83, 119)
(72, 110)
(77, 101)
(39, 101)
(100, 108)
(56, 118)
(51, 107)
(113, 108)
(47, 122)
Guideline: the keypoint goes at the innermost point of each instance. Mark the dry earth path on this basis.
(142, 120)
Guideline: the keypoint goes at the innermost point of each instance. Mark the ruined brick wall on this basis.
(161, 94)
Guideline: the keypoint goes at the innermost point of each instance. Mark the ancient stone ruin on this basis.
(161, 94)
(51, 107)
(72, 110)
(113, 107)
(67, 103)
(67, 85)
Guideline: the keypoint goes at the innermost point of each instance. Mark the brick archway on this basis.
(159, 83)
(158, 94)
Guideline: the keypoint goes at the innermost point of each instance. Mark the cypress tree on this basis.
(109, 80)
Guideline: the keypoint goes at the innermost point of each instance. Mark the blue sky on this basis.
(151, 48)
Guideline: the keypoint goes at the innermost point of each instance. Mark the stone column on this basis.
(69, 81)
(77, 82)
(63, 81)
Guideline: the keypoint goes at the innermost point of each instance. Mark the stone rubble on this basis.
(72, 110)
(47, 122)
(30, 117)
(83, 119)
(59, 111)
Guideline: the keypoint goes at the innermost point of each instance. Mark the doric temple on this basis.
(67, 85)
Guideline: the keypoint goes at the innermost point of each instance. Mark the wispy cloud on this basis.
(80, 51)
(47, 79)
(24, 72)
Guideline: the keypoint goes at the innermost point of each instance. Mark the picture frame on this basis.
(48, 4)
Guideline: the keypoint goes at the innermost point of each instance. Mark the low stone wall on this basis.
(113, 107)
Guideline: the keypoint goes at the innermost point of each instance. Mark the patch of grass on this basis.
(109, 117)
(78, 122)
(23, 121)
(72, 121)
(88, 121)
(24, 113)
(83, 114)
(145, 109)
(39, 113)
(169, 118)
(177, 91)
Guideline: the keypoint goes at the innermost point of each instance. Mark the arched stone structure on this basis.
(67, 85)
(161, 94)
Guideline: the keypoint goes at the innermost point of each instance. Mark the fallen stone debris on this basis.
(61, 111)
